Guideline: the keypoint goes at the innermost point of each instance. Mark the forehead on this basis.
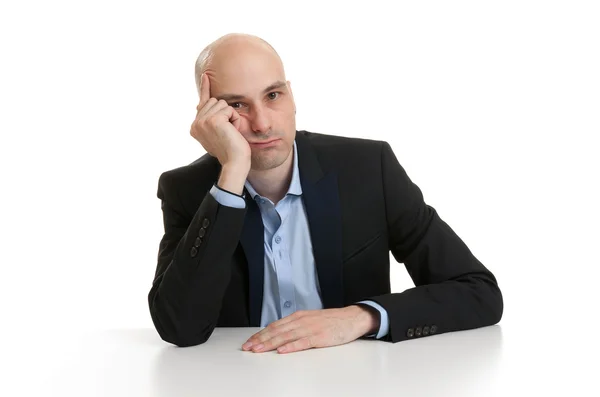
(244, 71)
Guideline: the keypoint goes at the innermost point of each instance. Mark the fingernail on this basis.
(258, 347)
(247, 345)
(281, 349)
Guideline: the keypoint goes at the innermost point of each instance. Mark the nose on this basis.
(259, 120)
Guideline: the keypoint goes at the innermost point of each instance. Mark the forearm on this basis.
(469, 302)
(454, 290)
(185, 299)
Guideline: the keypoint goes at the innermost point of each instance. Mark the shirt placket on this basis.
(281, 258)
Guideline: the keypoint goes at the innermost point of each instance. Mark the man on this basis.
(291, 230)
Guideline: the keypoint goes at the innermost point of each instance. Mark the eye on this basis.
(273, 95)
(236, 105)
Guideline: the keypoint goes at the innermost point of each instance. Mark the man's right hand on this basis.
(216, 128)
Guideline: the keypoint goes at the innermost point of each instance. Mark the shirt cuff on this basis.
(226, 198)
(384, 321)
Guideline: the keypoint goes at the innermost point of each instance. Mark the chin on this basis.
(263, 163)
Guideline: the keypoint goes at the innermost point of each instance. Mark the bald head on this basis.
(233, 51)
(246, 73)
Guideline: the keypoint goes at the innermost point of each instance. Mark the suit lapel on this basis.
(252, 240)
(322, 203)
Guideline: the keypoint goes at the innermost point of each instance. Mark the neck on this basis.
(273, 183)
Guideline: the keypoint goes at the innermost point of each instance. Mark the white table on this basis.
(470, 363)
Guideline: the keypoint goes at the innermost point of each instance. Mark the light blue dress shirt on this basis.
(290, 277)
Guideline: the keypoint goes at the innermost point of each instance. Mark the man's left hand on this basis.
(306, 329)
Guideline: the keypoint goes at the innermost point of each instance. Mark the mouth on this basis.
(265, 144)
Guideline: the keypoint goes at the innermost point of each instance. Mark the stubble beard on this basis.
(266, 159)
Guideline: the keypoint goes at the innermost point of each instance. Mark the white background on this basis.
(493, 109)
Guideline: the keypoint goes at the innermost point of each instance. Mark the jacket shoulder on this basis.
(189, 180)
(325, 140)
(334, 149)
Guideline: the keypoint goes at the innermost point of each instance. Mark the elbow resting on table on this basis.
(183, 342)
(491, 300)
(172, 330)
(181, 338)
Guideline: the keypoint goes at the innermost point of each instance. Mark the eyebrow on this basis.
(237, 97)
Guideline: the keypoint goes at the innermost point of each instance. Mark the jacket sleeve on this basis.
(453, 289)
(194, 266)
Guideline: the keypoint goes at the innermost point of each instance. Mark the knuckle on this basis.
(287, 336)
(200, 125)
(212, 121)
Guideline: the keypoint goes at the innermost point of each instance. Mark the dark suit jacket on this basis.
(360, 205)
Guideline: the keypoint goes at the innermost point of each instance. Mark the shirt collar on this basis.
(295, 186)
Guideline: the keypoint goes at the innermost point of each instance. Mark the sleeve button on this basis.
(205, 223)
(194, 252)
(410, 333)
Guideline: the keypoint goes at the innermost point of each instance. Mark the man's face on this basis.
(252, 81)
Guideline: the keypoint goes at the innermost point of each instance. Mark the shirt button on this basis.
(278, 239)
(287, 304)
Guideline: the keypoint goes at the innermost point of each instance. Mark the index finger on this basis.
(204, 90)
